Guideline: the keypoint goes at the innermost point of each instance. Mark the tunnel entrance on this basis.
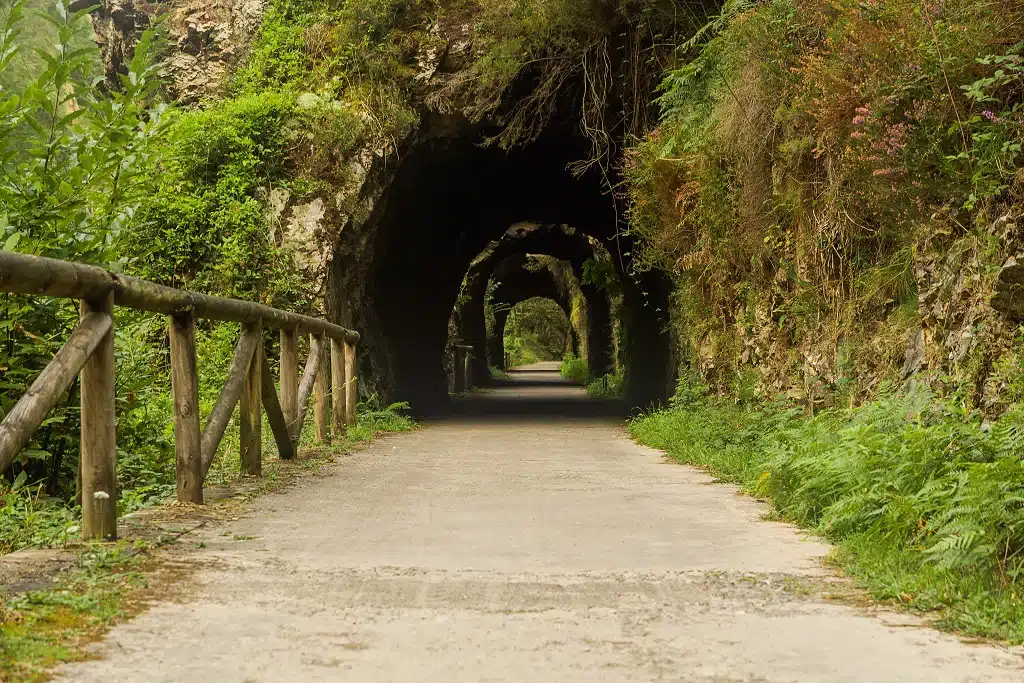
(536, 330)
(447, 201)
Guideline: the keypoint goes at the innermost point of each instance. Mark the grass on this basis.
(924, 503)
(41, 629)
(498, 373)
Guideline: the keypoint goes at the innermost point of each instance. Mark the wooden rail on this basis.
(89, 352)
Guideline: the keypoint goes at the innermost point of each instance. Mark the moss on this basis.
(42, 629)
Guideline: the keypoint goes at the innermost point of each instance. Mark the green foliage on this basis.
(355, 56)
(923, 499)
(74, 160)
(206, 226)
(36, 30)
(601, 273)
(28, 517)
(374, 418)
(574, 369)
(808, 153)
(611, 386)
(536, 330)
(497, 373)
(75, 165)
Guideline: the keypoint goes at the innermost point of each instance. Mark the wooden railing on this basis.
(462, 367)
(90, 352)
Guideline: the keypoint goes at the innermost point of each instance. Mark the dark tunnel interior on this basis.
(449, 199)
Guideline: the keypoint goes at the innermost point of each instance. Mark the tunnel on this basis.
(502, 264)
(514, 283)
(451, 197)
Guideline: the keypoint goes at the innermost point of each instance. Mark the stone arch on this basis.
(560, 242)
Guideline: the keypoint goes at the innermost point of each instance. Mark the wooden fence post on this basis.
(338, 386)
(185, 388)
(275, 416)
(321, 409)
(289, 375)
(251, 410)
(224, 408)
(99, 433)
(351, 384)
(457, 387)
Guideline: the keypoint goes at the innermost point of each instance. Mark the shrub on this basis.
(610, 386)
(575, 369)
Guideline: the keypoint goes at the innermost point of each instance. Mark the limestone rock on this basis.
(207, 38)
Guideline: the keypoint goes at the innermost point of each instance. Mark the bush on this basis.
(27, 517)
(924, 501)
(575, 369)
(77, 165)
(610, 386)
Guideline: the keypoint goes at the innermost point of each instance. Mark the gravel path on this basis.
(511, 545)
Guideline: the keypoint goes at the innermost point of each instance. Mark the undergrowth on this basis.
(924, 501)
(822, 170)
(574, 369)
(610, 386)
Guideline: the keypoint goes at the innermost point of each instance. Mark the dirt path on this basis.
(504, 545)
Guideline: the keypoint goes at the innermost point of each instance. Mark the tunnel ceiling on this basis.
(559, 241)
(516, 282)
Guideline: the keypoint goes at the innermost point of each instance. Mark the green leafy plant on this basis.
(574, 369)
(610, 386)
(924, 500)
(75, 164)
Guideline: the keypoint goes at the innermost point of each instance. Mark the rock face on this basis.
(116, 27)
(206, 38)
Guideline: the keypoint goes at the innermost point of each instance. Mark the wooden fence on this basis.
(89, 351)
(462, 368)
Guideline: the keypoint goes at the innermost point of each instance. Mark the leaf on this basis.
(12, 242)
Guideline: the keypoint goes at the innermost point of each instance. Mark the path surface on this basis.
(512, 545)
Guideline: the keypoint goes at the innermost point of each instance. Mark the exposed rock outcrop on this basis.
(206, 38)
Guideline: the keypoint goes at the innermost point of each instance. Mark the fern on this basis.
(926, 502)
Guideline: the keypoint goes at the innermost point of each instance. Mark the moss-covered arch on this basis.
(521, 277)
(593, 338)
